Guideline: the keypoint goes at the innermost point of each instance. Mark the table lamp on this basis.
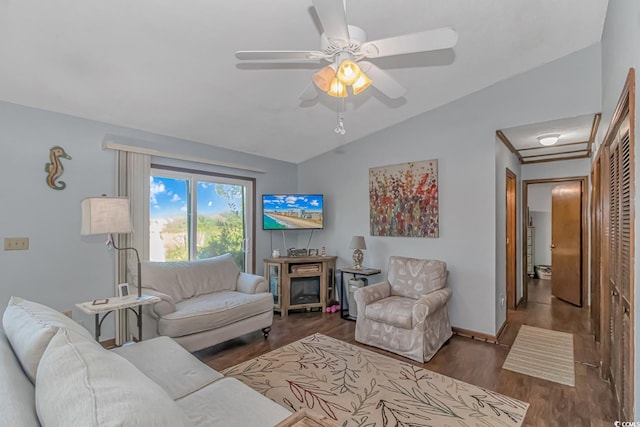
(109, 215)
(357, 243)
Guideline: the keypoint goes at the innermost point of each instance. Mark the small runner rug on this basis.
(543, 353)
(358, 387)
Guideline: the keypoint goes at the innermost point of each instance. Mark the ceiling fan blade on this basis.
(441, 38)
(309, 93)
(382, 81)
(280, 55)
(333, 18)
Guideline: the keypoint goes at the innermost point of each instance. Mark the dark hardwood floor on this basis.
(590, 403)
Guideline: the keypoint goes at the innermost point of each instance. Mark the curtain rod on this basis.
(153, 152)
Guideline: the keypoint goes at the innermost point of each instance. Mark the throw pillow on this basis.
(29, 326)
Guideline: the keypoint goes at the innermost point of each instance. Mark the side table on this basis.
(355, 272)
(117, 303)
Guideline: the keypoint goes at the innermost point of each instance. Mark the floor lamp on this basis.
(109, 215)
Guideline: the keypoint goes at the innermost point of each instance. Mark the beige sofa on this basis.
(54, 374)
(407, 314)
(204, 302)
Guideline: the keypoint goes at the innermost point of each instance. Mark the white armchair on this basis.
(407, 314)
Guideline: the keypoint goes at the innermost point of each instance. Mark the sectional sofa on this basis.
(55, 374)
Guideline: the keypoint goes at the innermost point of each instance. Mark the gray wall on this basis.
(620, 51)
(62, 268)
(461, 135)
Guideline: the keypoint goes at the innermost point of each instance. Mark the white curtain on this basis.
(132, 181)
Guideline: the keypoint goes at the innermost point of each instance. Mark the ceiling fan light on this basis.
(323, 78)
(361, 84)
(348, 72)
(548, 140)
(337, 89)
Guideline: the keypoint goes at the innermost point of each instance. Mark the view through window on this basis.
(194, 216)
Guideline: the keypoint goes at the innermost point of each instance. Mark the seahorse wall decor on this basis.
(55, 169)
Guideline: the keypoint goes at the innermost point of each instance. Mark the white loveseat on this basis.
(205, 302)
(54, 374)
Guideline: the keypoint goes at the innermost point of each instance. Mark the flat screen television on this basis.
(292, 211)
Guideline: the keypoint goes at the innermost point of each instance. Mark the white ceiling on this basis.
(168, 66)
(575, 139)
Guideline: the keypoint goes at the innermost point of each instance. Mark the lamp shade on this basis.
(357, 242)
(323, 78)
(105, 215)
(361, 84)
(348, 72)
(337, 89)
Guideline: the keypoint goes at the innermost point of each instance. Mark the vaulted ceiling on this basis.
(169, 67)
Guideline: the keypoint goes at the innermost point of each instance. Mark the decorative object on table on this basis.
(403, 200)
(275, 253)
(294, 252)
(313, 252)
(109, 215)
(349, 384)
(54, 168)
(324, 251)
(123, 290)
(357, 243)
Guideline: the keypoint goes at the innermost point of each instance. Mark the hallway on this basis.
(591, 401)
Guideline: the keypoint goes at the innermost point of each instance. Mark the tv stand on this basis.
(300, 282)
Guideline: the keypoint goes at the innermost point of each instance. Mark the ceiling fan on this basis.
(346, 47)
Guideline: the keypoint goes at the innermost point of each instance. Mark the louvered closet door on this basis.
(619, 274)
(625, 273)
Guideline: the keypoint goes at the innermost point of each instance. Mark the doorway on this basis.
(511, 231)
(577, 293)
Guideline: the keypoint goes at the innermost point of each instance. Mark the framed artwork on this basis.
(403, 200)
(123, 289)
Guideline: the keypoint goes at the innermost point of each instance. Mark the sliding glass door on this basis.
(195, 216)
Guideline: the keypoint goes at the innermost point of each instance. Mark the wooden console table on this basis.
(315, 273)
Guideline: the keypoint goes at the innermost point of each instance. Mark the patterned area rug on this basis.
(357, 387)
(542, 353)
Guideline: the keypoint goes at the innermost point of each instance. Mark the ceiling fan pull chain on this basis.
(340, 130)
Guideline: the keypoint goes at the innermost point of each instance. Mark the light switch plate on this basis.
(16, 243)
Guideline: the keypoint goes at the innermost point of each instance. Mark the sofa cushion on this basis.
(213, 311)
(188, 279)
(80, 384)
(30, 326)
(396, 311)
(230, 403)
(412, 278)
(178, 372)
(17, 394)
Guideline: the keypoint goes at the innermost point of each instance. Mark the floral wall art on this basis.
(403, 199)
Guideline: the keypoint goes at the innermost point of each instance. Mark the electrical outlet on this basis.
(68, 313)
(16, 243)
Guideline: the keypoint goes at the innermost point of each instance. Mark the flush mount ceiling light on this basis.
(548, 140)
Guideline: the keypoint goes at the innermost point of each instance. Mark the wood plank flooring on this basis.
(590, 403)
